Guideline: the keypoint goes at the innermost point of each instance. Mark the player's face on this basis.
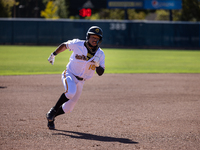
(94, 39)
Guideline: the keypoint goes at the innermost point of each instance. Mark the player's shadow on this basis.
(3, 87)
(88, 136)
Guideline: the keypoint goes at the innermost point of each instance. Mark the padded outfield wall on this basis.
(142, 34)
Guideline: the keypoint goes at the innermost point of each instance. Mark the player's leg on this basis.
(70, 90)
(69, 105)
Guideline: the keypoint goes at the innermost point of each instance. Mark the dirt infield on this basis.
(115, 112)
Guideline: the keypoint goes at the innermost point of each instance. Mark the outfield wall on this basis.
(141, 34)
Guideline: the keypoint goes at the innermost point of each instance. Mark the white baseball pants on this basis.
(73, 89)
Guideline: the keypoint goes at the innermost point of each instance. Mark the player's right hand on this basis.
(51, 58)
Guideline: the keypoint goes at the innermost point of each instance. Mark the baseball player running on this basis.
(87, 57)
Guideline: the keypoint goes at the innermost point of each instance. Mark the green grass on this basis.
(24, 60)
(153, 61)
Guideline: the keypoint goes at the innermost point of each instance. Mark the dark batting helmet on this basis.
(95, 30)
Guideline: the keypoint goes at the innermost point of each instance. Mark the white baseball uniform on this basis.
(80, 67)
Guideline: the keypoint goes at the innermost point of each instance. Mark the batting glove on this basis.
(96, 61)
(51, 58)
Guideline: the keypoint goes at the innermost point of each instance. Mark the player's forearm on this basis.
(99, 70)
(60, 49)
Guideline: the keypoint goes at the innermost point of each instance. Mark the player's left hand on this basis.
(96, 61)
(51, 58)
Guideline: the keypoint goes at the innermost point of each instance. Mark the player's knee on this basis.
(68, 110)
(70, 94)
(68, 106)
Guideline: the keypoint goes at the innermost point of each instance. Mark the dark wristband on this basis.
(54, 53)
(99, 70)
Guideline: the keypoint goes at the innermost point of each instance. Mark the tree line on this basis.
(55, 9)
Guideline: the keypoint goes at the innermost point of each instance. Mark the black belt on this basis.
(79, 78)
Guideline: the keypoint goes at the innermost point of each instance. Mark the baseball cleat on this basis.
(51, 114)
(51, 125)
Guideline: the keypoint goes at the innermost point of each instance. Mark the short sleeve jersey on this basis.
(78, 63)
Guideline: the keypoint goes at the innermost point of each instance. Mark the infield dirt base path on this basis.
(115, 112)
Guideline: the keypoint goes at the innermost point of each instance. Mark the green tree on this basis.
(6, 7)
(190, 10)
(50, 11)
(176, 15)
(162, 14)
(118, 14)
(62, 7)
(134, 15)
(112, 14)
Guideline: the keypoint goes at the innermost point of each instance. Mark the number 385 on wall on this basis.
(117, 26)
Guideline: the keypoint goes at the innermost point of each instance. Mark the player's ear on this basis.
(88, 36)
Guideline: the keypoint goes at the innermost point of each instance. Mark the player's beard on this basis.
(90, 47)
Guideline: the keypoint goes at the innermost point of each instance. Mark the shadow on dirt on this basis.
(88, 136)
(3, 87)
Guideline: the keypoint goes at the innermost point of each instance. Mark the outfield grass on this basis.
(23, 60)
